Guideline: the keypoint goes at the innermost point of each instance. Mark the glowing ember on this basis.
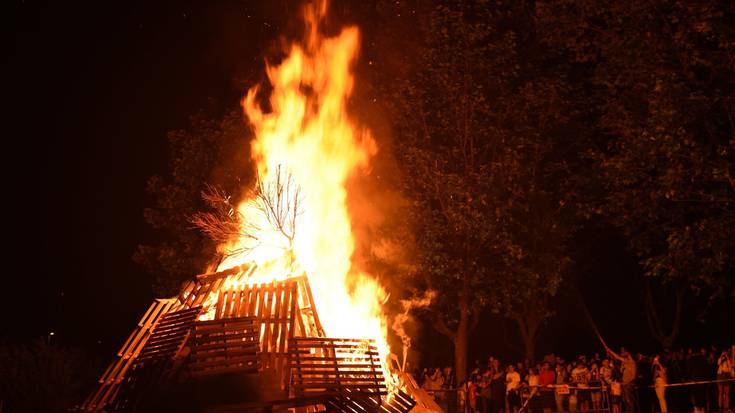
(306, 148)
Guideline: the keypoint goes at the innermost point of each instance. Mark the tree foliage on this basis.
(660, 75)
(211, 152)
(478, 128)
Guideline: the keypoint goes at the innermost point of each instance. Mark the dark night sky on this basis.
(95, 86)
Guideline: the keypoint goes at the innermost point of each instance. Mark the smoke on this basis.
(400, 320)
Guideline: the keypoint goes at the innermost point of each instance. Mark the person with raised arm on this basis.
(628, 380)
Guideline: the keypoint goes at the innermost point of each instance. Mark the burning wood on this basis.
(225, 346)
(288, 249)
(262, 328)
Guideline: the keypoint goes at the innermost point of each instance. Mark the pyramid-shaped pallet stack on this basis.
(249, 332)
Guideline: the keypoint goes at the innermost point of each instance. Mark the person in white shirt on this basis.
(512, 385)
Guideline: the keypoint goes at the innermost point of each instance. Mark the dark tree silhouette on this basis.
(39, 377)
(479, 139)
(212, 152)
(660, 80)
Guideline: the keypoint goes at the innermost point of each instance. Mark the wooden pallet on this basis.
(156, 359)
(109, 383)
(169, 336)
(225, 346)
(399, 402)
(348, 368)
(283, 309)
(272, 328)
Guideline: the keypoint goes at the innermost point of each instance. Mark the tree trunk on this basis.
(665, 337)
(529, 345)
(528, 327)
(460, 341)
(459, 337)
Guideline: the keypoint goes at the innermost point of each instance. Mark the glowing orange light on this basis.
(309, 138)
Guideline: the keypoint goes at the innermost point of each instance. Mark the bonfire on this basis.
(286, 306)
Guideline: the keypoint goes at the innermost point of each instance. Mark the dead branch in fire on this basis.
(223, 223)
(280, 201)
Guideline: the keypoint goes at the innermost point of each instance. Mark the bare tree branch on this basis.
(223, 223)
(278, 199)
(280, 202)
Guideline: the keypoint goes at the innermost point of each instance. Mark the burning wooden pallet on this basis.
(398, 402)
(284, 309)
(225, 346)
(342, 375)
(221, 325)
(335, 367)
(169, 336)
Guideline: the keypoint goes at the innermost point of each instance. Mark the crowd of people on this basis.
(692, 380)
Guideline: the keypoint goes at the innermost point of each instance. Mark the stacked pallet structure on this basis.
(220, 326)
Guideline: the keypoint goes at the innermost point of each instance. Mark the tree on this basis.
(212, 152)
(442, 147)
(662, 76)
(478, 129)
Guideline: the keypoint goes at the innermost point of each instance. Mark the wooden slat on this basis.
(310, 296)
(254, 293)
(219, 305)
(275, 334)
(185, 292)
(238, 270)
(265, 338)
(238, 300)
(284, 308)
(195, 289)
(299, 318)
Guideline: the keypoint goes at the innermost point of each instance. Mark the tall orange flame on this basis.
(306, 148)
